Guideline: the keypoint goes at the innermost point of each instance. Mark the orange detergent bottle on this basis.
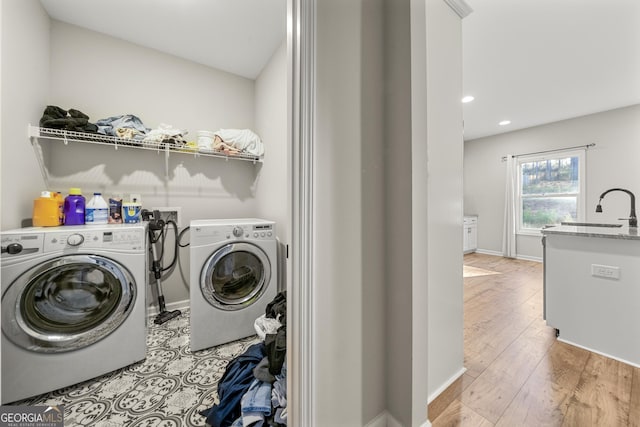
(46, 210)
(60, 201)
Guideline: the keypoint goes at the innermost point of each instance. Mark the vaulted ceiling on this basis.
(238, 36)
(539, 61)
(528, 61)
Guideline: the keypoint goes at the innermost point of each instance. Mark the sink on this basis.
(590, 224)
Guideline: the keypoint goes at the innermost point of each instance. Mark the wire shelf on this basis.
(96, 138)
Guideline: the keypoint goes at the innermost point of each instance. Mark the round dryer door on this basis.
(235, 276)
(67, 303)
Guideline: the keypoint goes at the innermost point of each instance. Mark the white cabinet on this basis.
(470, 234)
(591, 292)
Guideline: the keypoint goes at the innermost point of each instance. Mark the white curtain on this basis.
(510, 210)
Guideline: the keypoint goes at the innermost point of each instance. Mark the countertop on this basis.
(624, 232)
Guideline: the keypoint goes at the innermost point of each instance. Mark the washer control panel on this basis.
(205, 232)
(132, 239)
(238, 231)
(76, 239)
(255, 231)
(264, 231)
(16, 245)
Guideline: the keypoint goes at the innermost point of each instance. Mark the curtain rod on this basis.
(593, 144)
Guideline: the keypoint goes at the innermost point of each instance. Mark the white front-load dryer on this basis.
(233, 276)
(73, 305)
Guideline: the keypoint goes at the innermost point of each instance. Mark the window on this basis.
(550, 190)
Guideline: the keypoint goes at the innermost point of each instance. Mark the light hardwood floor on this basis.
(518, 374)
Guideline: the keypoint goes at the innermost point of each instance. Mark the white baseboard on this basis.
(152, 310)
(444, 386)
(379, 421)
(598, 352)
(529, 258)
(392, 422)
(385, 419)
(496, 253)
(488, 252)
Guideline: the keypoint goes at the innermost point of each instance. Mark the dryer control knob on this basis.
(75, 239)
(238, 231)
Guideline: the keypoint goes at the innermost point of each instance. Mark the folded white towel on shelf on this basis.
(243, 140)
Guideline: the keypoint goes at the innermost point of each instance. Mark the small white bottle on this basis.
(97, 210)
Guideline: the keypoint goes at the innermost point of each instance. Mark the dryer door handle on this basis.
(14, 248)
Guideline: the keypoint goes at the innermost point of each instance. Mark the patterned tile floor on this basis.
(167, 389)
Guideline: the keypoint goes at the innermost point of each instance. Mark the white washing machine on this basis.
(233, 276)
(73, 305)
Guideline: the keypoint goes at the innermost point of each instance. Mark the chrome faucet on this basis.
(633, 220)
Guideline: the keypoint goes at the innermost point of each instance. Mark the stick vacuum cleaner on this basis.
(156, 224)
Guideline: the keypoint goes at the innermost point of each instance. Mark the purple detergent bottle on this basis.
(74, 205)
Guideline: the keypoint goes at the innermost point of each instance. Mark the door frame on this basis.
(300, 129)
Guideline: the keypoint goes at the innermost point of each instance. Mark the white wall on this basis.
(371, 177)
(337, 298)
(398, 210)
(374, 383)
(444, 195)
(611, 163)
(25, 84)
(363, 348)
(421, 13)
(272, 183)
(103, 76)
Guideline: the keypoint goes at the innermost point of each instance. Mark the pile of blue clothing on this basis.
(125, 126)
(249, 395)
(253, 388)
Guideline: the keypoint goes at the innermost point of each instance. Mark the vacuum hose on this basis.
(157, 224)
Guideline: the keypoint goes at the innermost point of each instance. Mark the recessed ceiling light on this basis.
(467, 98)
(504, 122)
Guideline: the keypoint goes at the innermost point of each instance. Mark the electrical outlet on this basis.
(169, 214)
(605, 271)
